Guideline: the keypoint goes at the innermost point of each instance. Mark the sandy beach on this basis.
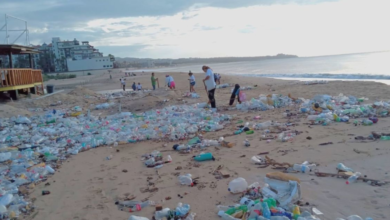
(87, 185)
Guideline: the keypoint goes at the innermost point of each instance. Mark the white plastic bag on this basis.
(287, 192)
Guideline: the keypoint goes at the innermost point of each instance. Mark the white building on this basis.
(90, 64)
(73, 50)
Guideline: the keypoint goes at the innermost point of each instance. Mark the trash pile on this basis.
(278, 199)
(32, 148)
(324, 109)
(264, 103)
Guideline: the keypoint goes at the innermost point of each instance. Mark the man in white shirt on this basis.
(210, 85)
(139, 87)
(123, 82)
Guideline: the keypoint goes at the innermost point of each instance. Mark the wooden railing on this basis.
(18, 77)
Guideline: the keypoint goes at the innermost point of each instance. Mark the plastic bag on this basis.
(242, 96)
(288, 192)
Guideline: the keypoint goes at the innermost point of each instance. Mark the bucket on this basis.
(50, 88)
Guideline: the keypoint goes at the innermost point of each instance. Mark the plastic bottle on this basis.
(344, 168)
(296, 212)
(204, 157)
(169, 158)
(49, 169)
(235, 209)
(238, 131)
(186, 179)
(250, 132)
(6, 199)
(353, 178)
(137, 207)
(5, 156)
(257, 160)
(133, 217)
(304, 168)
(385, 138)
(238, 185)
(354, 217)
(182, 210)
(367, 122)
(266, 211)
(225, 216)
(271, 202)
(158, 215)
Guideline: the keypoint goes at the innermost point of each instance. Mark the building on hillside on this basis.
(90, 64)
(62, 56)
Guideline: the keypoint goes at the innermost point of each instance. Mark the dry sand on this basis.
(87, 185)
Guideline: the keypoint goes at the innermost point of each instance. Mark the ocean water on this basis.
(364, 66)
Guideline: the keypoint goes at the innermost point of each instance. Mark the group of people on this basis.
(210, 82)
(134, 86)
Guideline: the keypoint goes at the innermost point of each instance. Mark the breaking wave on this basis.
(328, 76)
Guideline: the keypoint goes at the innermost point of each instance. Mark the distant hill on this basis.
(148, 62)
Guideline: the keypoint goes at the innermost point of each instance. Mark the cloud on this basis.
(206, 28)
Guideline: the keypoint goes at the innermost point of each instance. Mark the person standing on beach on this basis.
(210, 85)
(139, 87)
(235, 93)
(154, 81)
(192, 81)
(134, 87)
(123, 83)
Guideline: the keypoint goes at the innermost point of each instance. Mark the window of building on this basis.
(110, 65)
(104, 65)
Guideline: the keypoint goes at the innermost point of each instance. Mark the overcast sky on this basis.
(208, 28)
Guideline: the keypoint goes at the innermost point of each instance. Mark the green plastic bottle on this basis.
(233, 210)
(250, 132)
(271, 202)
(385, 138)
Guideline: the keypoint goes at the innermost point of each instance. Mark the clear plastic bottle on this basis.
(353, 178)
(304, 168)
(158, 215)
(344, 168)
(186, 179)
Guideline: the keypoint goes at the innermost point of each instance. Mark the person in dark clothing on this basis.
(134, 87)
(236, 92)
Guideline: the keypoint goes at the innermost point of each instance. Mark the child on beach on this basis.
(123, 83)
(134, 87)
(236, 92)
(192, 81)
(139, 87)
